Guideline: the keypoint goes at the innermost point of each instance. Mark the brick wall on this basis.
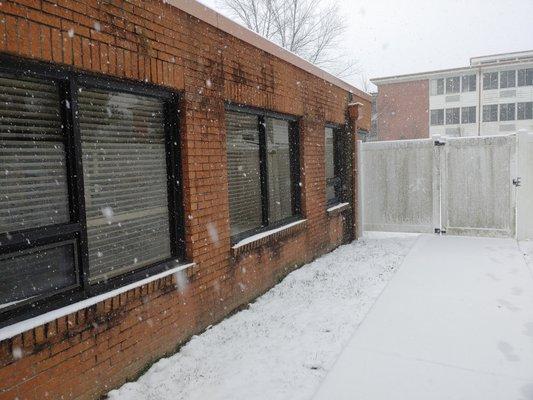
(402, 110)
(85, 354)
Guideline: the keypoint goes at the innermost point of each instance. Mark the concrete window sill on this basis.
(337, 209)
(31, 323)
(263, 238)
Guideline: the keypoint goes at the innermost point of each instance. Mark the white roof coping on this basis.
(518, 56)
(476, 63)
(419, 76)
(210, 16)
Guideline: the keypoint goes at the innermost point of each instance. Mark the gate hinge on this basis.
(517, 182)
(439, 143)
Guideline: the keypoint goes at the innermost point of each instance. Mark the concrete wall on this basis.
(524, 219)
(463, 187)
(398, 184)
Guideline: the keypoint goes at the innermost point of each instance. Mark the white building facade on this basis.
(493, 96)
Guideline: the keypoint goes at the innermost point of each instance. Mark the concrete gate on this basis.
(462, 186)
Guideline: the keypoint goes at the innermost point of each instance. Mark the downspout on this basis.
(479, 107)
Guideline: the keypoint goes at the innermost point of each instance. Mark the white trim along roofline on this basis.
(476, 63)
(211, 17)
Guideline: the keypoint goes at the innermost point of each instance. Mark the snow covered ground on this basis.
(284, 344)
(527, 249)
(455, 323)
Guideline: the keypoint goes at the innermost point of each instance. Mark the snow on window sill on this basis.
(31, 323)
(336, 209)
(262, 238)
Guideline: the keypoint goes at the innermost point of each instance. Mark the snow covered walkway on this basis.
(456, 322)
(284, 344)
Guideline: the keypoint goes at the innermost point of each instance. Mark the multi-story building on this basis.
(492, 96)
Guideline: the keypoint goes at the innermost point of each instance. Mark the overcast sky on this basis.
(391, 37)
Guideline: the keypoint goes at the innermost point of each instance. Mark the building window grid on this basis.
(490, 80)
(453, 116)
(490, 113)
(469, 83)
(468, 115)
(507, 79)
(525, 77)
(524, 110)
(453, 85)
(74, 232)
(437, 117)
(507, 112)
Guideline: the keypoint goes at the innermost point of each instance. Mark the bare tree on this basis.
(311, 29)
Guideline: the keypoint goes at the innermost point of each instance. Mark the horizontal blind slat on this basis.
(124, 162)
(33, 176)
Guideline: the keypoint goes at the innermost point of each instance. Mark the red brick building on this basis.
(402, 110)
(128, 130)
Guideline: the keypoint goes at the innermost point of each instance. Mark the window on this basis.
(244, 175)
(279, 169)
(90, 197)
(34, 191)
(490, 113)
(437, 117)
(525, 77)
(437, 87)
(263, 170)
(490, 80)
(453, 85)
(507, 112)
(507, 79)
(525, 110)
(468, 115)
(469, 83)
(125, 174)
(452, 116)
(334, 165)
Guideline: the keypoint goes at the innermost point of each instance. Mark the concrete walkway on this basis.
(456, 322)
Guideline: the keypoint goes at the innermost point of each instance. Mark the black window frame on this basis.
(294, 152)
(339, 160)
(69, 80)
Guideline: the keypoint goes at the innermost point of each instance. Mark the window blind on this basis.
(33, 183)
(244, 182)
(330, 165)
(279, 170)
(125, 178)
